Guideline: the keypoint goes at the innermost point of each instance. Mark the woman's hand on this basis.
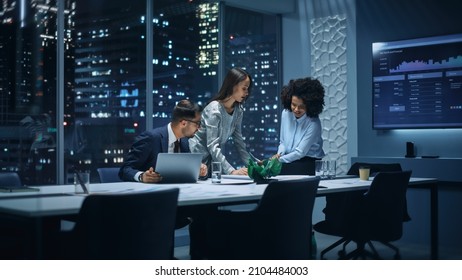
(240, 171)
(276, 156)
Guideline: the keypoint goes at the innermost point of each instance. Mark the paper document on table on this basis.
(291, 177)
(236, 180)
(348, 181)
(342, 183)
(236, 177)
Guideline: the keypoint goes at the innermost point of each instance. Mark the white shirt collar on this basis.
(171, 136)
(299, 120)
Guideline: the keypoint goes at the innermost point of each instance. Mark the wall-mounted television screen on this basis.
(417, 83)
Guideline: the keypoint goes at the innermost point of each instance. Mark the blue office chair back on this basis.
(126, 226)
(10, 179)
(109, 174)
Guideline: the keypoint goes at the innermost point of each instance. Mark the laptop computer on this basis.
(179, 167)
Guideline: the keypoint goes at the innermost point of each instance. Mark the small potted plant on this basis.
(261, 171)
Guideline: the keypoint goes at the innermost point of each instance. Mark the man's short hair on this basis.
(185, 110)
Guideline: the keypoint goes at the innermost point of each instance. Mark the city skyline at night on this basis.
(105, 75)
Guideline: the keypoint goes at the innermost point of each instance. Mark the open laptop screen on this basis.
(179, 167)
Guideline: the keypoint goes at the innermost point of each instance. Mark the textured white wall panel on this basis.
(329, 57)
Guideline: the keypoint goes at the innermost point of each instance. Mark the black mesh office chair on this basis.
(10, 179)
(11, 244)
(278, 228)
(379, 167)
(377, 215)
(340, 207)
(123, 226)
(109, 174)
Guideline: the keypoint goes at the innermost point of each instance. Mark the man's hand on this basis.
(203, 171)
(150, 176)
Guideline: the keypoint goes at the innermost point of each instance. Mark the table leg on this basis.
(434, 221)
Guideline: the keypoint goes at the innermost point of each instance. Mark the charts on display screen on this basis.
(417, 83)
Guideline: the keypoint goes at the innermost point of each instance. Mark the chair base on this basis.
(360, 252)
(332, 246)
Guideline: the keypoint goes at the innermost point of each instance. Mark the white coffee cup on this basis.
(364, 173)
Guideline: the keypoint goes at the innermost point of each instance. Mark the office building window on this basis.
(110, 89)
(28, 90)
(185, 54)
(251, 42)
(105, 104)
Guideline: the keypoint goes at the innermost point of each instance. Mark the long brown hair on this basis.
(233, 77)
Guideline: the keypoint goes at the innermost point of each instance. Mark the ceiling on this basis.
(269, 6)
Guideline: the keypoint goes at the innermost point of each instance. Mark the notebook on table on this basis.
(179, 167)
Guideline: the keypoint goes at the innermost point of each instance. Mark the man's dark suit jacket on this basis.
(144, 151)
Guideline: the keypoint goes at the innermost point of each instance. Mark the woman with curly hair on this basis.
(300, 136)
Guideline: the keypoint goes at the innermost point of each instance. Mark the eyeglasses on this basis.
(197, 123)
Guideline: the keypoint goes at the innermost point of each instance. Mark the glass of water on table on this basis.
(216, 172)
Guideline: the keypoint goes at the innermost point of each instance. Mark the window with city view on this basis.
(110, 87)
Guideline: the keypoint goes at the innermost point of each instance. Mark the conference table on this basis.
(57, 202)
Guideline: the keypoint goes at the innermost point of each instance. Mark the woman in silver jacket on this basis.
(221, 119)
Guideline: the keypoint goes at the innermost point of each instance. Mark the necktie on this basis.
(176, 147)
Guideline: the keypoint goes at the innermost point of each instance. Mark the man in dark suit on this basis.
(140, 163)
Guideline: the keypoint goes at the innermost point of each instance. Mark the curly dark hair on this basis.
(307, 89)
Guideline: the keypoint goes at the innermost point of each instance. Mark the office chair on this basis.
(108, 174)
(374, 168)
(123, 226)
(278, 228)
(10, 179)
(378, 215)
(11, 244)
(340, 206)
(380, 167)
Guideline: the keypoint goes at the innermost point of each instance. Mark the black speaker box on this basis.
(410, 150)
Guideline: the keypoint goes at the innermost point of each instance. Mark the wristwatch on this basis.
(140, 177)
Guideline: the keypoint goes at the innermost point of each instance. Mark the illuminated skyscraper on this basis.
(207, 55)
(28, 85)
(105, 74)
(109, 67)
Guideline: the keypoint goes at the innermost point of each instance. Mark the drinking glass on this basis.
(321, 167)
(216, 172)
(82, 178)
(331, 169)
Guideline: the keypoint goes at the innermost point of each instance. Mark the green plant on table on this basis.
(266, 169)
